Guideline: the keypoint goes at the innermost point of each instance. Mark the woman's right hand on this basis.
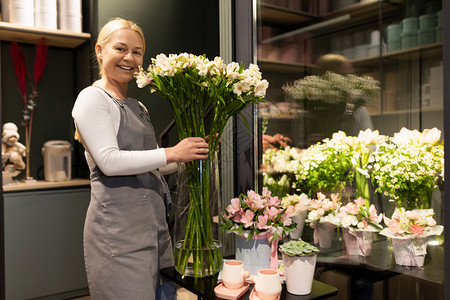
(188, 149)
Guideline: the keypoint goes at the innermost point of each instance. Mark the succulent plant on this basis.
(298, 248)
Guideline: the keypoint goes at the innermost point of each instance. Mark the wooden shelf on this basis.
(32, 35)
(42, 185)
(364, 9)
(410, 111)
(279, 15)
(281, 66)
(430, 50)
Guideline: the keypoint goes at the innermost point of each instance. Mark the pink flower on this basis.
(360, 201)
(320, 211)
(344, 209)
(247, 218)
(416, 229)
(262, 221)
(286, 220)
(353, 209)
(234, 207)
(266, 192)
(255, 201)
(431, 222)
(394, 226)
(373, 213)
(320, 196)
(412, 215)
(238, 216)
(272, 212)
(363, 224)
(290, 209)
(274, 201)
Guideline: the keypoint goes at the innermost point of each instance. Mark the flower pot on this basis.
(197, 250)
(323, 234)
(410, 252)
(358, 242)
(255, 253)
(297, 232)
(299, 272)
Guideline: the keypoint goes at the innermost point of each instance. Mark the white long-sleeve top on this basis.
(97, 119)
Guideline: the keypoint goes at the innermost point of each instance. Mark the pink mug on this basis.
(233, 274)
(267, 284)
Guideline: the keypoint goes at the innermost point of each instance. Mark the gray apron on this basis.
(126, 239)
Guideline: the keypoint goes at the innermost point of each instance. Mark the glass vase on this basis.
(197, 249)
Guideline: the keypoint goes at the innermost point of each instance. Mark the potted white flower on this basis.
(299, 260)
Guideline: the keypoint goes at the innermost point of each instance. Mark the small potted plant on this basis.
(322, 217)
(299, 260)
(359, 221)
(409, 230)
(259, 222)
(297, 207)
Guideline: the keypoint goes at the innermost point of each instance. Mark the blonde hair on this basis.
(110, 27)
(334, 63)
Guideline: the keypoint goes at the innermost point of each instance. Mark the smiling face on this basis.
(121, 56)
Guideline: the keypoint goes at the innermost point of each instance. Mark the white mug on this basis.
(267, 284)
(233, 274)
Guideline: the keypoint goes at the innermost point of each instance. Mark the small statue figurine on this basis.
(12, 150)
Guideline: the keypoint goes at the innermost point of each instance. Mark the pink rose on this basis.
(416, 229)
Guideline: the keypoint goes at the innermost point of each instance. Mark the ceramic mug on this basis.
(233, 274)
(267, 284)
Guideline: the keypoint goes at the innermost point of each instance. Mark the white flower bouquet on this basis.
(315, 92)
(326, 166)
(203, 95)
(278, 169)
(408, 167)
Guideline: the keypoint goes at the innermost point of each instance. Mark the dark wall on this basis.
(170, 26)
(52, 116)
